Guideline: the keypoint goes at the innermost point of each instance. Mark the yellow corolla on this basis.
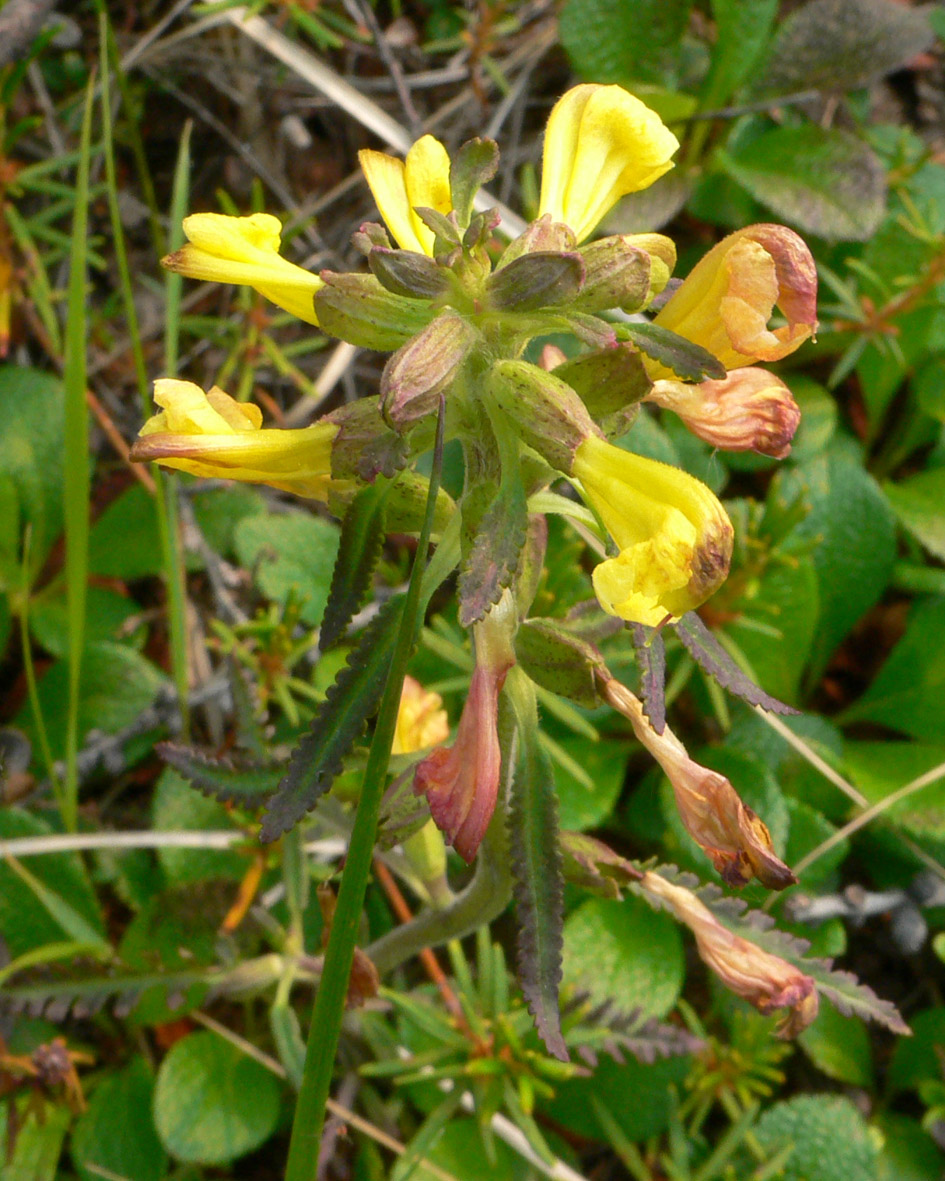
(674, 536)
(245, 250)
(600, 144)
(213, 435)
(400, 186)
(727, 300)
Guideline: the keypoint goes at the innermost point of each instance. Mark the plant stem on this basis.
(329, 1008)
(486, 896)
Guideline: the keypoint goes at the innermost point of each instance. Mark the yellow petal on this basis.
(400, 186)
(600, 144)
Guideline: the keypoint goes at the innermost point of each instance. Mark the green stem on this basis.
(484, 899)
(329, 1008)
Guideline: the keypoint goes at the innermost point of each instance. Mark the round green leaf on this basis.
(626, 952)
(116, 1134)
(291, 555)
(840, 1047)
(212, 1104)
(916, 1059)
(830, 1138)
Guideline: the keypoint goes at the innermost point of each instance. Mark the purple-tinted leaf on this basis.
(651, 658)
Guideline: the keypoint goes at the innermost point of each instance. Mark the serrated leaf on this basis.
(362, 538)
(493, 561)
(823, 180)
(650, 652)
(687, 360)
(229, 780)
(843, 44)
(338, 722)
(709, 654)
(604, 1028)
(56, 999)
(847, 994)
(537, 886)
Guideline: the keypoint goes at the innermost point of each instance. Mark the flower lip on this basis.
(674, 537)
(213, 435)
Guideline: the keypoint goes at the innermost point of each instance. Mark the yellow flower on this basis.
(674, 537)
(400, 186)
(727, 300)
(421, 719)
(245, 250)
(600, 144)
(213, 435)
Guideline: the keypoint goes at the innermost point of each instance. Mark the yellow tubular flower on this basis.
(600, 144)
(727, 300)
(213, 435)
(245, 250)
(399, 186)
(675, 538)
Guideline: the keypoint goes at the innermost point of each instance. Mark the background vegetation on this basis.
(157, 963)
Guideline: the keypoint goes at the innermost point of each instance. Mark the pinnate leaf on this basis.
(362, 537)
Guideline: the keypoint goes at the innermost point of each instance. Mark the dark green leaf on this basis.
(651, 658)
(843, 44)
(337, 724)
(229, 780)
(742, 30)
(537, 886)
(212, 1103)
(823, 180)
(854, 538)
(115, 1136)
(496, 551)
(362, 537)
(919, 503)
(624, 40)
(709, 654)
(689, 361)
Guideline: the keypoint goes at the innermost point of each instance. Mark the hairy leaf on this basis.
(689, 361)
(537, 886)
(651, 657)
(230, 780)
(709, 654)
(494, 558)
(472, 166)
(823, 180)
(624, 40)
(338, 722)
(362, 537)
(591, 1030)
(742, 29)
(843, 44)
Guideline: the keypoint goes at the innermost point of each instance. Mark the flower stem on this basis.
(329, 1008)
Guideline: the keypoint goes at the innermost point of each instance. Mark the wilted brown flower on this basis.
(734, 837)
(749, 410)
(757, 976)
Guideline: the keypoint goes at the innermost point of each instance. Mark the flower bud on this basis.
(399, 186)
(762, 979)
(600, 144)
(736, 840)
(365, 447)
(617, 275)
(356, 308)
(543, 234)
(245, 250)
(407, 273)
(749, 410)
(662, 252)
(547, 413)
(421, 369)
(674, 537)
(559, 661)
(421, 719)
(213, 435)
(727, 300)
(611, 383)
(537, 280)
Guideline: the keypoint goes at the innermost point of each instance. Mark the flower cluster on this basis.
(456, 310)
